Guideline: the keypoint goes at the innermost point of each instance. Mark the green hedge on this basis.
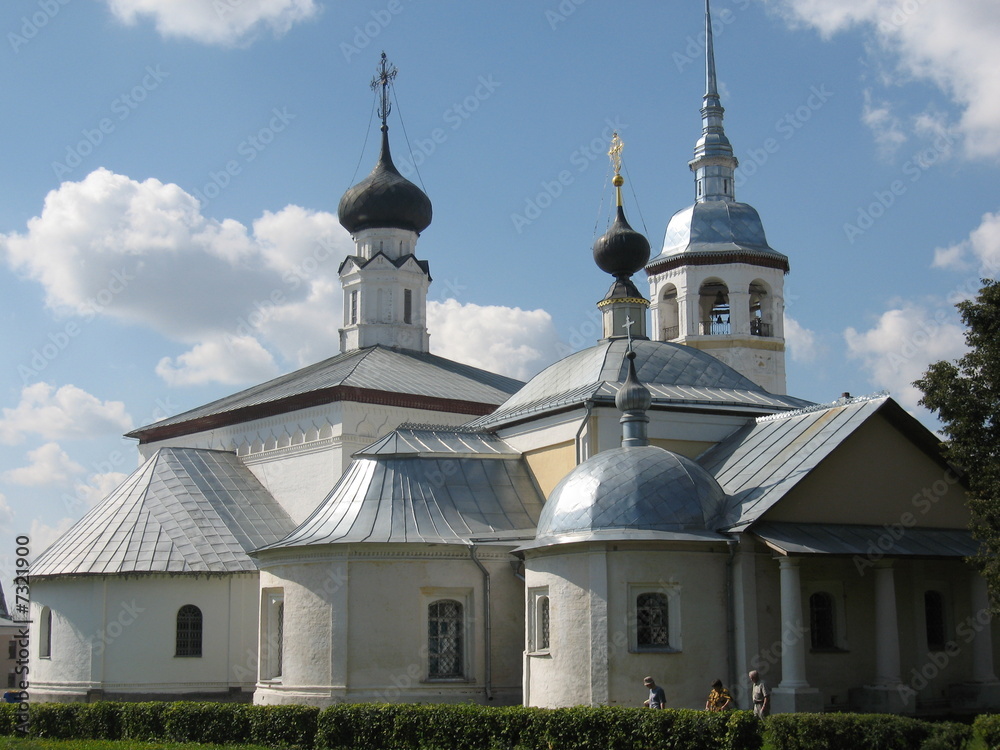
(868, 731)
(457, 727)
(987, 729)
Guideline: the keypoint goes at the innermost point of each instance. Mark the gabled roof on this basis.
(760, 463)
(183, 511)
(676, 375)
(409, 487)
(394, 377)
(362, 262)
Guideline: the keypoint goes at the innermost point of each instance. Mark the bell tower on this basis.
(717, 285)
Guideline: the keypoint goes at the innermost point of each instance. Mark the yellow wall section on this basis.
(688, 448)
(875, 477)
(549, 465)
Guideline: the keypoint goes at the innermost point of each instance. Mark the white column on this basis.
(599, 657)
(739, 312)
(886, 627)
(793, 657)
(982, 642)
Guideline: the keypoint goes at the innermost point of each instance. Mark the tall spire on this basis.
(714, 163)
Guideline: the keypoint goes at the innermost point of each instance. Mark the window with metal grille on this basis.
(651, 620)
(934, 616)
(444, 639)
(188, 631)
(822, 621)
(543, 622)
(280, 634)
(407, 305)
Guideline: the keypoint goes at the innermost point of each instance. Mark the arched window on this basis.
(445, 647)
(188, 631)
(714, 307)
(669, 314)
(45, 634)
(822, 621)
(934, 618)
(652, 621)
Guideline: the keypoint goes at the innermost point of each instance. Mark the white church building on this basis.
(390, 525)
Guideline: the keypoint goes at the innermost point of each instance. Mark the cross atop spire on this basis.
(384, 77)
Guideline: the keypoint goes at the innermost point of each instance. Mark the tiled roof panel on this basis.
(183, 511)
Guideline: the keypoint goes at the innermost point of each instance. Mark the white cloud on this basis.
(68, 412)
(801, 342)
(904, 341)
(225, 22)
(50, 465)
(231, 361)
(507, 340)
(885, 126)
(981, 247)
(111, 246)
(6, 513)
(950, 44)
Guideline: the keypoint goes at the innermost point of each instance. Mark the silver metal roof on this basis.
(763, 461)
(844, 539)
(627, 493)
(718, 226)
(673, 373)
(431, 440)
(374, 368)
(434, 500)
(183, 511)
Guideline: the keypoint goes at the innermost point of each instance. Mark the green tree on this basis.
(966, 397)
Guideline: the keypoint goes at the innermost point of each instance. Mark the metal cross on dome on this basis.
(615, 152)
(386, 73)
(627, 325)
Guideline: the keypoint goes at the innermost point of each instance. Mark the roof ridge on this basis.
(822, 407)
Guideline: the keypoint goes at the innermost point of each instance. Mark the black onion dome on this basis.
(385, 199)
(621, 251)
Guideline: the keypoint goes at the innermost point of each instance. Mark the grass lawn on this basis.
(11, 743)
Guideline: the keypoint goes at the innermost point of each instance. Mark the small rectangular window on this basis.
(12, 650)
(407, 305)
(353, 315)
(272, 645)
(445, 631)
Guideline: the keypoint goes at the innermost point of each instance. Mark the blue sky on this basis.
(171, 171)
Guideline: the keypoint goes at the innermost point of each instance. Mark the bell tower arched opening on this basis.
(713, 306)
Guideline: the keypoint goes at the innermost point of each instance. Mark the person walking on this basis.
(657, 698)
(719, 698)
(760, 694)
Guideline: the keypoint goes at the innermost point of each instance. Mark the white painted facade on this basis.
(356, 624)
(115, 637)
